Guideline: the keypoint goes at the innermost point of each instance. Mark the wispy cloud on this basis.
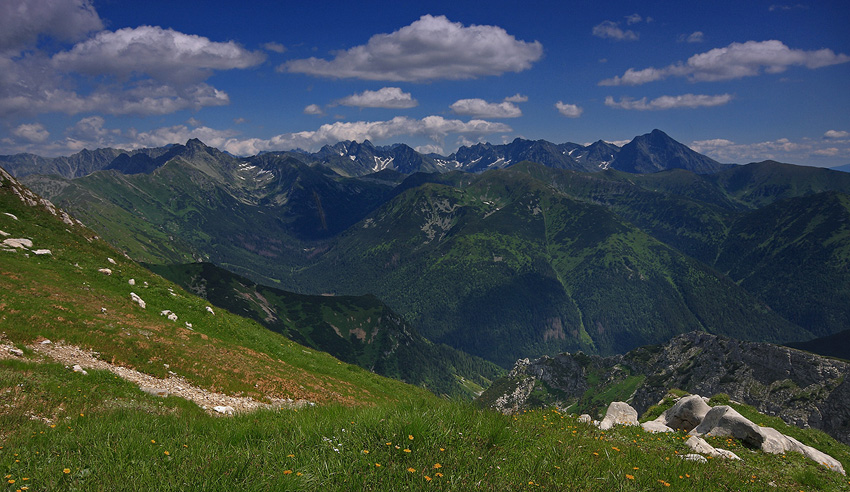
(694, 37)
(781, 149)
(275, 47)
(786, 8)
(689, 101)
(430, 48)
(386, 97)
(611, 30)
(732, 62)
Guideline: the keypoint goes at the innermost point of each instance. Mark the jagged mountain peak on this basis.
(657, 151)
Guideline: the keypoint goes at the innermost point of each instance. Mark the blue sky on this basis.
(738, 81)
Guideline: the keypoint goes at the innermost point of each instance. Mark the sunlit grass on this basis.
(108, 435)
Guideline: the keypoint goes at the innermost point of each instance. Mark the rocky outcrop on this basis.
(33, 200)
(565, 375)
(722, 421)
(803, 389)
(725, 421)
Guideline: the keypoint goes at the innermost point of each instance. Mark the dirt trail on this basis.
(214, 403)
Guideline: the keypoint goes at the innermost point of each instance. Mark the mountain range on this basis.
(652, 152)
(513, 260)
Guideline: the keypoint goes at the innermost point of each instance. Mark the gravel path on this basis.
(214, 403)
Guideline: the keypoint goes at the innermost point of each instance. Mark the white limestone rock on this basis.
(654, 426)
(723, 420)
(619, 413)
(138, 300)
(686, 413)
(20, 242)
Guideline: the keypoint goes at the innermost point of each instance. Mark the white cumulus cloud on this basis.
(163, 54)
(430, 48)
(611, 30)
(32, 132)
(22, 21)
(806, 150)
(386, 97)
(517, 98)
(480, 108)
(836, 134)
(828, 152)
(429, 149)
(689, 101)
(434, 127)
(138, 99)
(568, 110)
(732, 62)
(314, 109)
(144, 71)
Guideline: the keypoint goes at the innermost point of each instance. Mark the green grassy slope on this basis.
(96, 432)
(61, 296)
(358, 330)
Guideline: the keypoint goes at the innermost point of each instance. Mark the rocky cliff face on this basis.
(803, 389)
